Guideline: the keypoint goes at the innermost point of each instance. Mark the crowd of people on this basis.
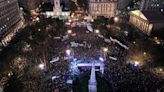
(123, 77)
(126, 77)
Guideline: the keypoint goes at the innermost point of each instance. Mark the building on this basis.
(105, 8)
(30, 5)
(152, 5)
(147, 21)
(10, 19)
(58, 11)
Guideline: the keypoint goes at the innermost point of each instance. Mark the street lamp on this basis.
(128, 8)
(116, 19)
(144, 53)
(136, 63)
(92, 20)
(69, 20)
(69, 31)
(70, 54)
(134, 42)
(68, 51)
(105, 49)
(41, 66)
(39, 29)
(37, 19)
(21, 8)
(97, 31)
(160, 69)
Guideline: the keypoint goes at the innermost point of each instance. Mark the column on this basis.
(92, 82)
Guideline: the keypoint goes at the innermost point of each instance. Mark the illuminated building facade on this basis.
(147, 21)
(10, 20)
(57, 11)
(57, 8)
(105, 8)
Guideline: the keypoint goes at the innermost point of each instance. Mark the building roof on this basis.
(139, 13)
(151, 16)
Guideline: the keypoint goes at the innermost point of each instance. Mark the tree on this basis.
(83, 4)
(111, 21)
(72, 6)
(14, 84)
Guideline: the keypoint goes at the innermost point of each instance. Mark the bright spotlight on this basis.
(41, 66)
(97, 31)
(134, 42)
(105, 49)
(37, 19)
(21, 8)
(116, 19)
(160, 69)
(39, 29)
(92, 20)
(136, 63)
(68, 52)
(69, 31)
(69, 20)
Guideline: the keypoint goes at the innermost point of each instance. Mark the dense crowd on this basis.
(121, 76)
(129, 78)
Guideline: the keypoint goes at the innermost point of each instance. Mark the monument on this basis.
(92, 82)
